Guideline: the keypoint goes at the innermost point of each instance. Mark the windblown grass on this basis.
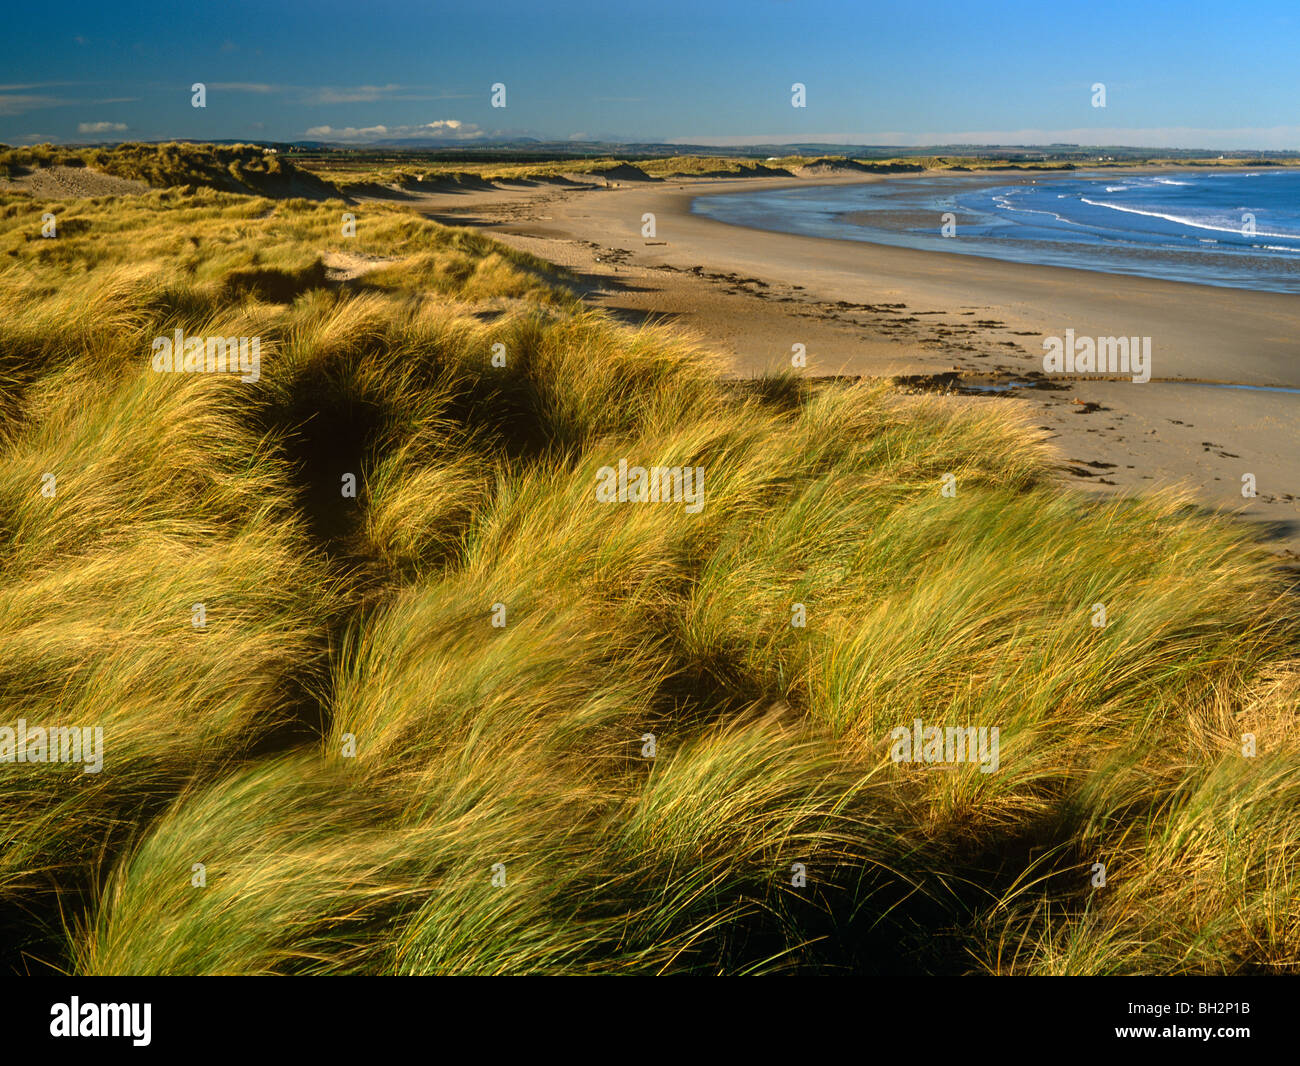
(241, 168)
(632, 771)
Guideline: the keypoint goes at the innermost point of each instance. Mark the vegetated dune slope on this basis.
(473, 719)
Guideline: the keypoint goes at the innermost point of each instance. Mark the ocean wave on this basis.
(1182, 220)
(1071, 223)
(1037, 211)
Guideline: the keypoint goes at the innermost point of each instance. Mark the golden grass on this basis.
(378, 779)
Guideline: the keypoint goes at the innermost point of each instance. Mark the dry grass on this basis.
(378, 779)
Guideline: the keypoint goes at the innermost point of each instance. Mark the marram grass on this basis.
(468, 719)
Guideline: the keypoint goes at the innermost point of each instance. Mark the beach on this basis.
(970, 325)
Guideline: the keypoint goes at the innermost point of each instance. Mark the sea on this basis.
(1237, 228)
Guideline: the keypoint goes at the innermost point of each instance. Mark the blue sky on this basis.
(1177, 74)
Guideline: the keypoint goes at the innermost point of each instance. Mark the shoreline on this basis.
(936, 321)
(856, 227)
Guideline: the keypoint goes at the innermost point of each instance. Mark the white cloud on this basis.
(333, 94)
(369, 94)
(449, 129)
(359, 94)
(247, 87)
(349, 133)
(21, 104)
(100, 127)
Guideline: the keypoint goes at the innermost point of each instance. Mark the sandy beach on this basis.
(953, 322)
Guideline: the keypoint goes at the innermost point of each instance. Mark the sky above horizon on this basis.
(1176, 74)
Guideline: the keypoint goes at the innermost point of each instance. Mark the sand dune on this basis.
(62, 183)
